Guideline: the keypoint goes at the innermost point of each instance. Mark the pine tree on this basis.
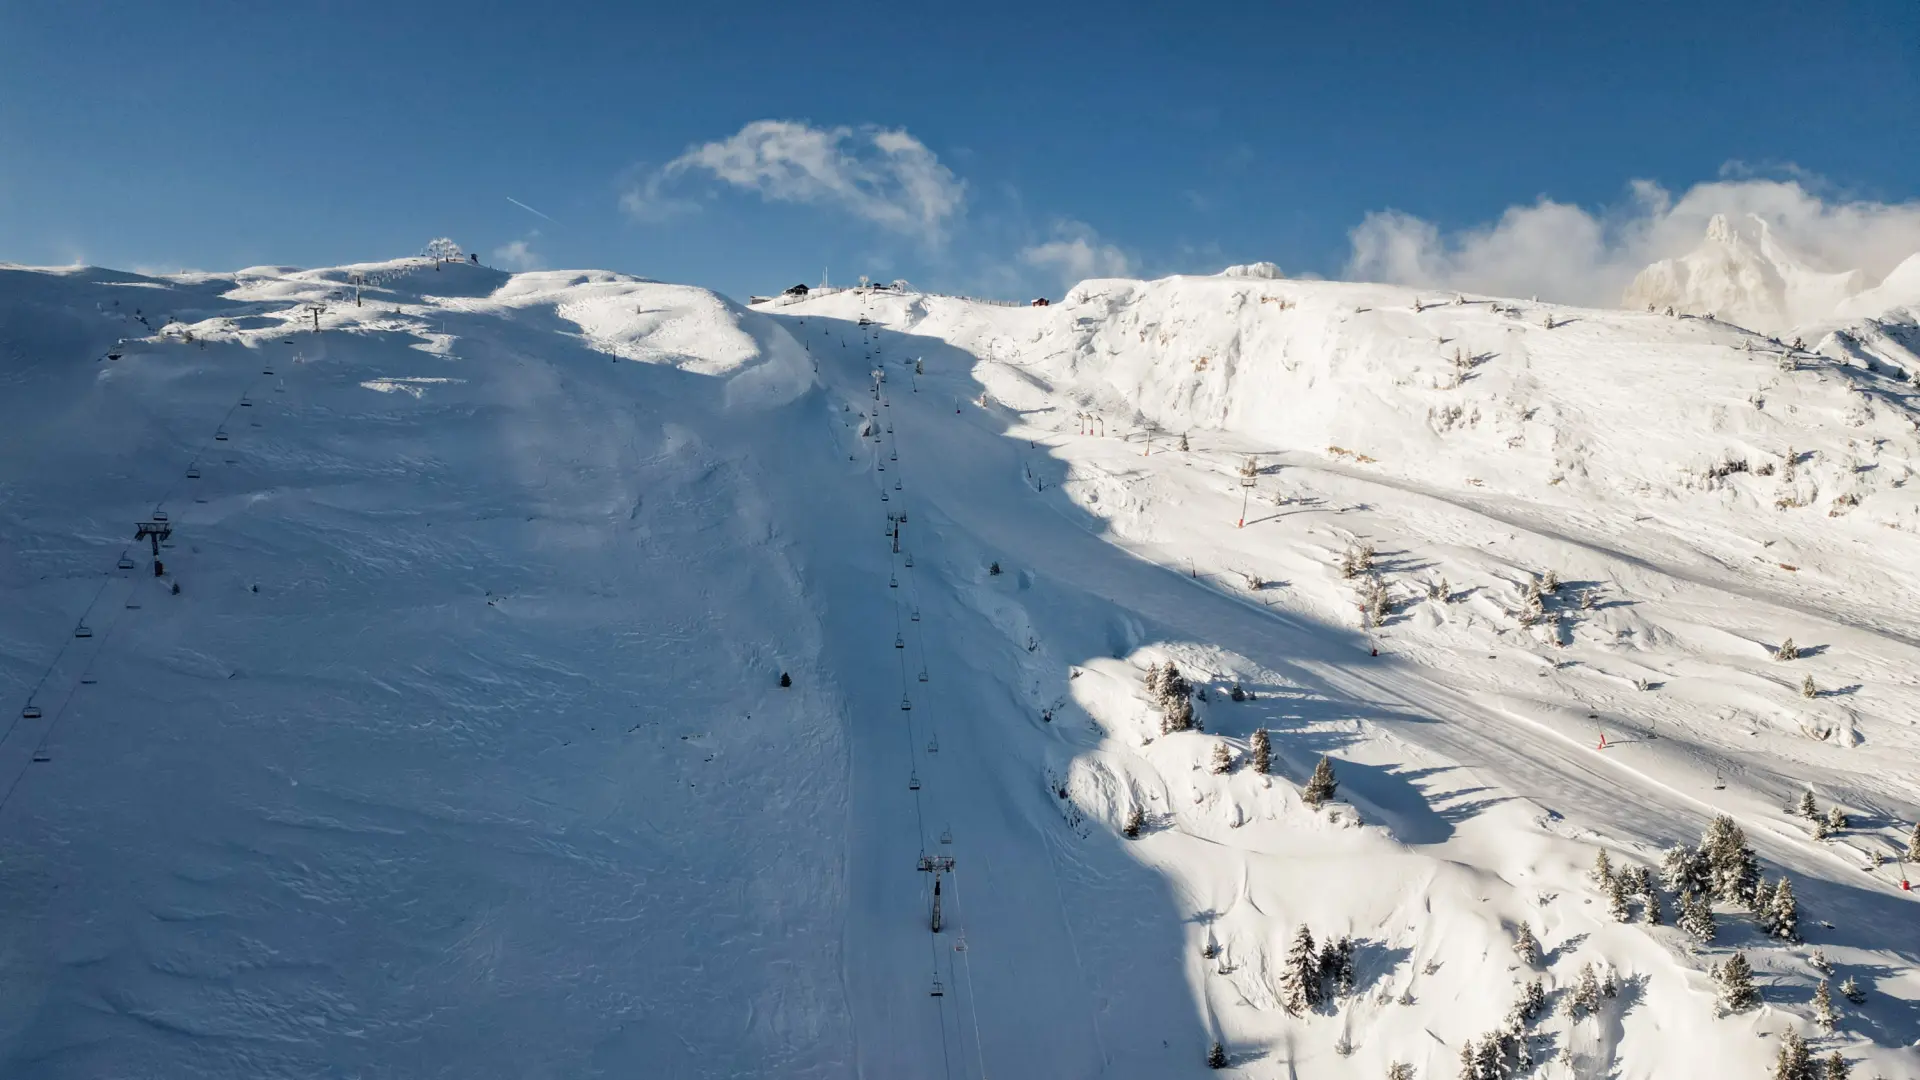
(1183, 442)
(1321, 785)
(1399, 1070)
(1732, 867)
(1785, 921)
(1177, 717)
(1533, 1001)
(1735, 977)
(1807, 689)
(1217, 1057)
(1837, 1067)
(1807, 809)
(1696, 916)
(1913, 845)
(1683, 870)
(1602, 869)
(1762, 904)
(1819, 828)
(1136, 818)
(1650, 912)
(1837, 819)
(1262, 753)
(1469, 1065)
(1819, 962)
(1793, 1062)
(1487, 1058)
(1340, 967)
(1153, 684)
(1824, 1013)
(1617, 898)
(1525, 948)
(786, 679)
(1585, 999)
(1222, 759)
(1850, 989)
(1301, 980)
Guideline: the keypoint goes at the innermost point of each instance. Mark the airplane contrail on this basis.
(527, 208)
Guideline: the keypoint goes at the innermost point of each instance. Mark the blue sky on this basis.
(982, 147)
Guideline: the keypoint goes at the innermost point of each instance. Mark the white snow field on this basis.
(492, 775)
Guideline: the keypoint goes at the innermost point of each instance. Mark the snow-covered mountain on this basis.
(1742, 273)
(462, 749)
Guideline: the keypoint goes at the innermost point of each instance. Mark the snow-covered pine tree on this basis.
(1216, 1057)
(1183, 442)
(1469, 1062)
(1300, 981)
(1824, 1012)
(1487, 1058)
(786, 679)
(1650, 912)
(1850, 989)
(1136, 818)
(1819, 828)
(1735, 981)
(1533, 1001)
(1696, 916)
(1222, 759)
(1837, 1068)
(1525, 948)
(1399, 1070)
(1785, 912)
(1787, 650)
(1913, 845)
(1342, 973)
(1602, 869)
(1807, 689)
(1178, 716)
(1683, 870)
(1262, 752)
(1732, 866)
(1762, 903)
(1793, 1062)
(1321, 786)
(1152, 682)
(1585, 999)
(1837, 819)
(1807, 808)
(1617, 905)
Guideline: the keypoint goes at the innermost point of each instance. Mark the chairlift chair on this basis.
(923, 674)
(896, 484)
(31, 712)
(245, 404)
(892, 582)
(913, 781)
(946, 835)
(938, 990)
(83, 631)
(41, 757)
(160, 516)
(124, 563)
(193, 472)
(916, 614)
(933, 745)
(899, 642)
(884, 497)
(909, 558)
(906, 704)
(266, 371)
(220, 435)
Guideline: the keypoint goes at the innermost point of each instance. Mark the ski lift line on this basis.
(966, 964)
(59, 714)
(58, 654)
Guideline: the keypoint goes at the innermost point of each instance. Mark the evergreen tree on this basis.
(1683, 870)
(1762, 903)
(1735, 977)
(1696, 916)
(1602, 868)
(1342, 973)
(1617, 898)
(1785, 921)
(1837, 819)
(1533, 1001)
(1819, 828)
(1136, 818)
(1321, 785)
(1178, 716)
(1487, 1058)
(1850, 989)
(1807, 689)
(786, 679)
(1301, 980)
(1824, 1012)
(1222, 759)
(1819, 962)
(1807, 809)
(1525, 948)
(1399, 1070)
(1650, 912)
(1469, 1065)
(1585, 999)
(1793, 1062)
(1153, 684)
(1732, 867)
(1913, 845)
(1217, 1057)
(1837, 1067)
(1262, 753)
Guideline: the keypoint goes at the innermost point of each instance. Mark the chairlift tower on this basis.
(936, 865)
(1248, 472)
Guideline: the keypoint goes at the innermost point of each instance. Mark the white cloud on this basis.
(1567, 253)
(884, 176)
(1076, 253)
(519, 255)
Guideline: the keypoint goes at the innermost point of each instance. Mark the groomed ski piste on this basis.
(462, 750)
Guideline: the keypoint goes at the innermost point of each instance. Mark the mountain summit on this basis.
(1743, 274)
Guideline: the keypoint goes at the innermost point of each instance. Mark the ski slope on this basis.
(492, 775)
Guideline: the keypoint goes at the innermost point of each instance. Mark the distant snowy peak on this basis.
(1901, 289)
(1743, 274)
(1264, 270)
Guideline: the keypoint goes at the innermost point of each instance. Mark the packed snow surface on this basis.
(462, 751)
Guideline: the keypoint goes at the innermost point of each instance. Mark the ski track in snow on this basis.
(491, 775)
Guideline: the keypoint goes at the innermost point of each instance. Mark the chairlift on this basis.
(916, 614)
(906, 704)
(923, 674)
(220, 435)
(896, 484)
(913, 781)
(132, 604)
(899, 642)
(31, 712)
(895, 456)
(884, 497)
(892, 582)
(266, 371)
(83, 631)
(933, 744)
(41, 757)
(124, 563)
(938, 990)
(160, 516)
(193, 472)
(245, 404)
(909, 558)
(88, 680)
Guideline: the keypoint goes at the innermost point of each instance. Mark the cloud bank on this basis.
(1569, 254)
(879, 175)
(1076, 253)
